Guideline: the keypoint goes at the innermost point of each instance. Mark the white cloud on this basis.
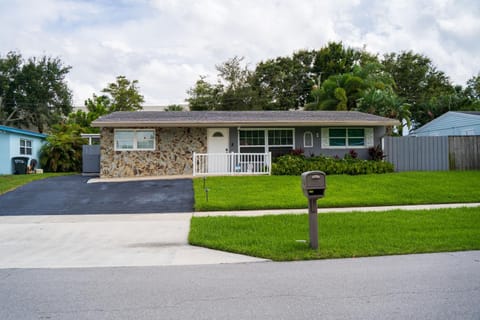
(168, 44)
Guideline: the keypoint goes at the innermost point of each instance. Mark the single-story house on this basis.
(173, 143)
(452, 123)
(17, 148)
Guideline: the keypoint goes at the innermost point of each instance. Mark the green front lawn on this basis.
(10, 182)
(282, 192)
(341, 235)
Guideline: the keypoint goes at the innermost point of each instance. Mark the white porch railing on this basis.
(231, 163)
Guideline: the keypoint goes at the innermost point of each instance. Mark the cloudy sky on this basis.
(167, 44)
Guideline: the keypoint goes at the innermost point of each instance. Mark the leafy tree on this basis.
(236, 92)
(97, 106)
(385, 103)
(233, 90)
(335, 58)
(63, 150)
(473, 88)
(204, 96)
(285, 82)
(418, 82)
(338, 92)
(342, 91)
(124, 95)
(34, 92)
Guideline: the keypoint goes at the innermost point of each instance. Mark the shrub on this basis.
(63, 150)
(295, 165)
(376, 153)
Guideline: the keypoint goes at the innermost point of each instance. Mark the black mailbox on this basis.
(313, 184)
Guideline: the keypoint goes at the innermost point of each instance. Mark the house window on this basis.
(308, 139)
(280, 137)
(131, 139)
(252, 138)
(25, 147)
(338, 138)
(277, 141)
(341, 137)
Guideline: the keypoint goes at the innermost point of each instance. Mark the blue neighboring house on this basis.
(452, 123)
(18, 145)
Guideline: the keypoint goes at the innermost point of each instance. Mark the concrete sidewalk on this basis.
(254, 213)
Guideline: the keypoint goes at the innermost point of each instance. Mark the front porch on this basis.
(232, 163)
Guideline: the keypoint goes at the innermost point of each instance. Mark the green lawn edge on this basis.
(283, 192)
(341, 235)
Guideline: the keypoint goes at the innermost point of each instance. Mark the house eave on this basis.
(143, 124)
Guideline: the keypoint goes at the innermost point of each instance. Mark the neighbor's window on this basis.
(130, 139)
(25, 146)
(346, 137)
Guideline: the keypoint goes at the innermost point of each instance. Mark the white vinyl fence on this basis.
(231, 163)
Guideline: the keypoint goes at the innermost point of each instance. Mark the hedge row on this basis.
(296, 164)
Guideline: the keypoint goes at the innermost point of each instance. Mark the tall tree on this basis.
(335, 58)
(232, 90)
(417, 82)
(204, 96)
(342, 91)
(34, 93)
(234, 85)
(473, 88)
(124, 95)
(96, 106)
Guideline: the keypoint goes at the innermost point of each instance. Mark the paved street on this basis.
(429, 286)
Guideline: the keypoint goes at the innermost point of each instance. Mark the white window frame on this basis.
(266, 146)
(23, 145)
(368, 138)
(305, 134)
(135, 139)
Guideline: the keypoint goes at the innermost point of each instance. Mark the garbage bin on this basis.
(20, 165)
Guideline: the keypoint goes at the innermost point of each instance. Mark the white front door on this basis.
(217, 148)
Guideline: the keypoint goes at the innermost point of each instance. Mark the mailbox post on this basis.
(313, 186)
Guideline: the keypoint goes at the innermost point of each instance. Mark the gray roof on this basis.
(240, 118)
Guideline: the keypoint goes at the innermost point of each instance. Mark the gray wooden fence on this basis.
(91, 159)
(464, 152)
(433, 153)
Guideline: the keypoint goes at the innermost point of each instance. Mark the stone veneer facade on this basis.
(173, 154)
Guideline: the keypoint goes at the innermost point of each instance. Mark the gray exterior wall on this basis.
(316, 150)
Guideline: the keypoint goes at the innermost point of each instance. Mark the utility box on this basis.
(19, 165)
(313, 184)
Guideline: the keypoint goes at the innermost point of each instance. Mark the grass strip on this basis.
(284, 192)
(11, 182)
(341, 235)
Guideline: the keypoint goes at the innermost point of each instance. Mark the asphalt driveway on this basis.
(73, 195)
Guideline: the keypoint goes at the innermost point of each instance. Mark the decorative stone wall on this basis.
(173, 154)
